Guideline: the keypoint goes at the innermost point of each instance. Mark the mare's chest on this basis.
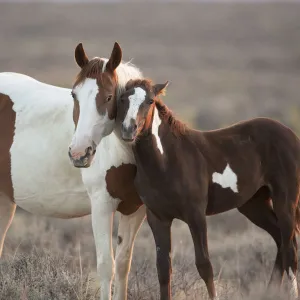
(120, 185)
(112, 174)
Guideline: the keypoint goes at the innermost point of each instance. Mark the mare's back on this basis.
(25, 90)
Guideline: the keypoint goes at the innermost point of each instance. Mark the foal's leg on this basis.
(162, 235)
(198, 228)
(128, 228)
(103, 209)
(259, 212)
(7, 212)
(284, 207)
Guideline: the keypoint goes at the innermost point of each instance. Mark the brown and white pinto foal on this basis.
(187, 174)
(36, 127)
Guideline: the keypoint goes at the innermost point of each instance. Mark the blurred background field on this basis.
(226, 62)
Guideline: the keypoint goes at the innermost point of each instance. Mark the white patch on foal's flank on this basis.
(135, 102)
(227, 179)
(155, 125)
(294, 286)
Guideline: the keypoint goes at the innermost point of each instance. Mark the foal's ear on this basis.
(128, 84)
(80, 56)
(115, 58)
(160, 88)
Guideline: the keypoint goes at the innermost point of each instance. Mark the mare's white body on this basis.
(46, 183)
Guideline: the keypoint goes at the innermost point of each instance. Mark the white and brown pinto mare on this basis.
(36, 127)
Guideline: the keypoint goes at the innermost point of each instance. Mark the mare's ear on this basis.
(128, 84)
(160, 88)
(80, 56)
(115, 58)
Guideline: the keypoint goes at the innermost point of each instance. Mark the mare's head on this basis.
(137, 107)
(95, 93)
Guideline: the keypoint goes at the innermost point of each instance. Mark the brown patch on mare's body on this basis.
(120, 184)
(7, 129)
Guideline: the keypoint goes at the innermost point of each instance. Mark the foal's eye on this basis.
(151, 101)
(108, 98)
(72, 94)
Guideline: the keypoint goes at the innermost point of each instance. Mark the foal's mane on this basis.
(166, 115)
(177, 127)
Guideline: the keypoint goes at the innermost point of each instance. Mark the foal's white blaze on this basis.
(227, 179)
(92, 126)
(155, 125)
(294, 287)
(135, 102)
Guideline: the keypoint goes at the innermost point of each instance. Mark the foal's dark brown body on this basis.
(263, 154)
(178, 183)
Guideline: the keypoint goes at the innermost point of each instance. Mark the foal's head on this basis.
(137, 107)
(95, 104)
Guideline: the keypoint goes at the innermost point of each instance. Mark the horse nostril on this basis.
(88, 149)
(134, 126)
(122, 127)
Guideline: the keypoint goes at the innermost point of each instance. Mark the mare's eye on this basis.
(108, 98)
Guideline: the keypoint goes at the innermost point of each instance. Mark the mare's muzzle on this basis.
(82, 160)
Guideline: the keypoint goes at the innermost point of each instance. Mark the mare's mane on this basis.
(96, 66)
(93, 69)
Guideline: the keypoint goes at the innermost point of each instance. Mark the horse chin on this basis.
(83, 163)
(129, 140)
(128, 137)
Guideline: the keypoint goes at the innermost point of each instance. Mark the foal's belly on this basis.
(224, 199)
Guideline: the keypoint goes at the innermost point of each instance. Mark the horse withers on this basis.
(183, 173)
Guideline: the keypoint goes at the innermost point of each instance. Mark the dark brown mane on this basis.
(145, 83)
(92, 70)
(177, 127)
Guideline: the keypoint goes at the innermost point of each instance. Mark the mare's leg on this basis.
(128, 228)
(162, 235)
(7, 211)
(198, 228)
(259, 211)
(284, 202)
(103, 209)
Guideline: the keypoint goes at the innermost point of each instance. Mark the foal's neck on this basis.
(153, 144)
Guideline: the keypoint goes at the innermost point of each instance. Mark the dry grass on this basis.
(46, 258)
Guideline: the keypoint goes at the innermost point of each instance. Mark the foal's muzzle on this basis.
(129, 133)
(80, 160)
